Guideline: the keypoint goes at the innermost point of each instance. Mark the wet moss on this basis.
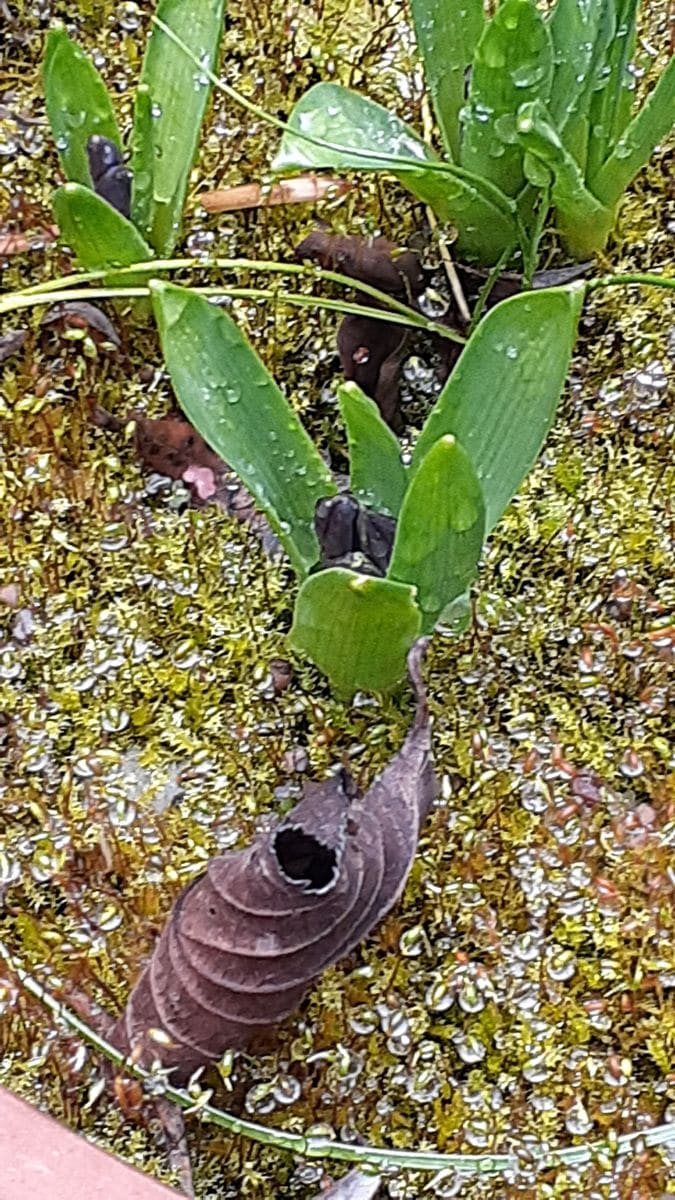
(524, 986)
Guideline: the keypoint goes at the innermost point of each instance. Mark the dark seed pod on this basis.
(244, 941)
(371, 351)
(335, 524)
(371, 260)
(111, 179)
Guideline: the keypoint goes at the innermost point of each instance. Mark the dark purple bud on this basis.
(111, 179)
(376, 533)
(335, 524)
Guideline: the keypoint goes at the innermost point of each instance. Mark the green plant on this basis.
(546, 121)
(170, 104)
(477, 445)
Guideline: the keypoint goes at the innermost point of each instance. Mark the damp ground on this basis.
(524, 988)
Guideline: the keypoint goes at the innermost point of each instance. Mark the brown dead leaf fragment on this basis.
(170, 446)
(16, 242)
(371, 354)
(11, 343)
(79, 314)
(303, 189)
(245, 940)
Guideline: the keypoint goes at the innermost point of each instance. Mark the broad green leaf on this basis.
(178, 93)
(231, 399)
(447, 32)
(584, 223)
(513, 64)
(581, 31)
(440, 529)
(343, 129)
(611, 105)
(99, 235)
(77, 102)
(357, 629)
(141, 164)
(377, 476)
(349, 131)
(634, 148)
(501, 398)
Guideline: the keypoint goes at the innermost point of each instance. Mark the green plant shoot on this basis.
(357, 619)
(170, 105)
(534, 111)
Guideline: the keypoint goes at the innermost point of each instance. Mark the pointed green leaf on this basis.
(501, 398)
(581, 33)
(343, 129)
(141, 162)
(513, 64)
(377, 476)
(634, 148)
(178, 94)
(584, 223)
(99, 235)
(349, 131)
(440, 530)
(447, 32)
(357, 629)
(77, 102)
(611, 104)
(231, 399)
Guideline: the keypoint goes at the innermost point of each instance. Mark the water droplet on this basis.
(577, 1119)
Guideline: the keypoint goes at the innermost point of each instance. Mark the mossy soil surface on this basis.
(524, 988)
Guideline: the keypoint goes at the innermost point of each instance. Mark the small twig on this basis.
(446, 257)
(301, 189)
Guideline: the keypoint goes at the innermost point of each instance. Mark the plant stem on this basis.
(308, 1146)
(487, 288)
(152, 266)
(32, 298)
(641, 277)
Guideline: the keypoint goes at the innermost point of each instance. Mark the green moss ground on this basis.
(525, 985)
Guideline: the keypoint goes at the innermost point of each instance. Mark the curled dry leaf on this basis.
(371, 354)
(375, 261)
(509, 283)
(304, 189)
(244, 941)
(79, 314)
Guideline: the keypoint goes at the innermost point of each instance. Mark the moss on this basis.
(531, 958)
